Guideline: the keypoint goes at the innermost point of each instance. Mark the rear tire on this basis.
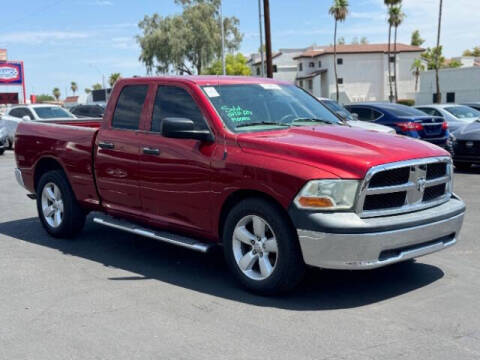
(57, 206)
(261, 247)
(462, 166)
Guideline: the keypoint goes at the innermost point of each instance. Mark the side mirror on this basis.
(341, 115)
(355, 116)
(181, 128)
(26, 118)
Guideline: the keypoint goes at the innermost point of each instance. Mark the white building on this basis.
(456, 85)
(362, 72)
(284, 64)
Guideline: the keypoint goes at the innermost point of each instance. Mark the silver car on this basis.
(455, 115)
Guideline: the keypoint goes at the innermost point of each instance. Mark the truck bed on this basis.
(68, 142)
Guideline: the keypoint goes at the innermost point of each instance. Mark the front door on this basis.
(118, 151)
(175, 173)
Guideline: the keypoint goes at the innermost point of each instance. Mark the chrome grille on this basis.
(405, 187)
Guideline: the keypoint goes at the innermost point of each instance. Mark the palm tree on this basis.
(339, 10)
(438, 96)
(417, 67)
(395, 19)
(88, 91)
(56, 93)
(389, 4)
(114, 78)
(73, 87)
(97, 86)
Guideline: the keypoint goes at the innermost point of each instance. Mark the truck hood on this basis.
(345, 152)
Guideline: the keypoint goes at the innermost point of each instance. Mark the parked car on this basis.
(3, 140)
(36, 112)
(474, 105)
(405, 120)
(88, 111)
(467, 146)
(352, 120)
(257, 165)
(455, 115)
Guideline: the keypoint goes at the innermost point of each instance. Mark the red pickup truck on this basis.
(256, 165)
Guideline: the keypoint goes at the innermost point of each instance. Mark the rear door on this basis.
(175, 173)
(118, 150)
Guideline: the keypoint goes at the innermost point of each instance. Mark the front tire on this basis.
(261, 247)
(57, 206)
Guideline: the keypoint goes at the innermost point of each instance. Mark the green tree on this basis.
(453, 64)
(234, 65)
(434, 56)
(192, 39)
(389, 4)
(73, 87)
(396, 17)
(44, 98)
(339, 11)
(97, 86)
(417, 68)
(114, 78)
(341, 41)
(364, 40)
(87, 91)
(417, 39)
(474, 52)
(56, 93)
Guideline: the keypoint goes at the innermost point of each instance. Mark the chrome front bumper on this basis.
(19, 177)
(372, 243)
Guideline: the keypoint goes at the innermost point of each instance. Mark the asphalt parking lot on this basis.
(111, 295)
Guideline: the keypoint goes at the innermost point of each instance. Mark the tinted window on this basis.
(16, 113)
(52, 112)
(402, 110)
(430, 111)
(463, 112)
(364, 114)
(129, 107)
(175, 102)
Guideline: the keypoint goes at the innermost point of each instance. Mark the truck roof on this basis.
(209, 79)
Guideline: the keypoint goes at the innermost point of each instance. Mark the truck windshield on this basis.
(253, 107)
(52, 112)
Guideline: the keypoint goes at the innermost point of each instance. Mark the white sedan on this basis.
(33, 112)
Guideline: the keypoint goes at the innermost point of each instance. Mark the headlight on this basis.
(328, 195)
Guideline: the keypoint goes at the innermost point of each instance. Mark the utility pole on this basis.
(223, 38)
(268, 37)
(261, 36)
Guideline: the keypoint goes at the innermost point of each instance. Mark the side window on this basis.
(16, 113)
(175, 102)
(430, 111)
(376, 115)
(364, 114)
(129, 107)
(28, 113)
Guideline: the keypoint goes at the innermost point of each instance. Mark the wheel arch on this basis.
(240, 195)
(45, 165)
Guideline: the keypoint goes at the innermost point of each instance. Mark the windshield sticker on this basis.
(211, 92)
(237, 114)
(271, 86)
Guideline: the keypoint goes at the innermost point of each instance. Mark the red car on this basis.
(256, 165)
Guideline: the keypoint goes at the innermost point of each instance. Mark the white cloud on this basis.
(40, 37)
(98, 3)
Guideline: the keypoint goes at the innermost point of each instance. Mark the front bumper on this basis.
(346, 241)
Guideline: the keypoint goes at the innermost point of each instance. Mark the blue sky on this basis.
(65, 40)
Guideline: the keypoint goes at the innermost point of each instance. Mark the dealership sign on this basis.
(11, 73)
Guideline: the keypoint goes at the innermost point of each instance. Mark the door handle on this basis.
(151, 151)
(106, 145)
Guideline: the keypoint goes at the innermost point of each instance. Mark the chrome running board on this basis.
(163, 236)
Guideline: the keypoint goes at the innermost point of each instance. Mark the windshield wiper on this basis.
(313, 120)
(262, 123)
